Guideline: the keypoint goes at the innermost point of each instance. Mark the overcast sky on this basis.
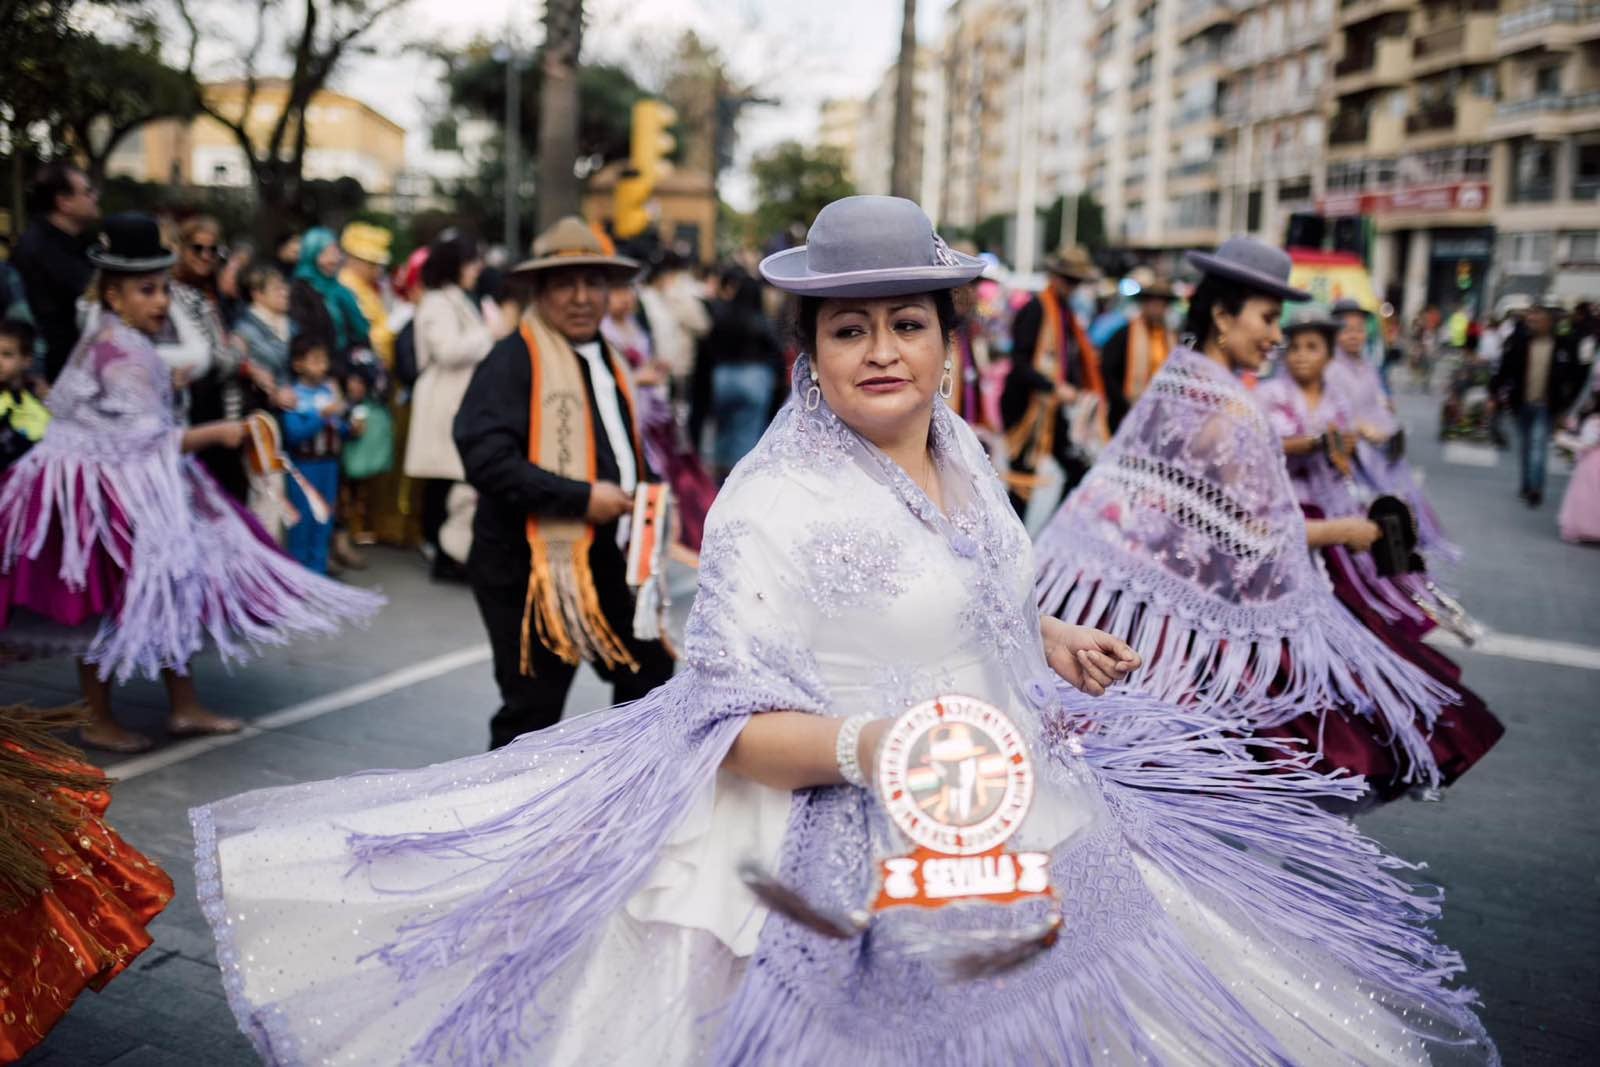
(799, 52)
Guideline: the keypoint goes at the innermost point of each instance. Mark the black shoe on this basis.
(1522, 495)
(1535, 498)
(445, 569)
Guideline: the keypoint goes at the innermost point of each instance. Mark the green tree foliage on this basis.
(793, 182)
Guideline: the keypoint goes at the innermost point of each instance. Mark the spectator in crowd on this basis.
(216, 391)
(1539, 378)
(678, 317)
(286, 254)
(1134, 353)
(367, 255)
(231, 285)
(738, 371)
(314, 430)
(451, 339)
(52, 257)
(22, 417)
(263, 328)
(319, 303)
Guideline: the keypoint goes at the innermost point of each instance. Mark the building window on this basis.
(1252, 211)
(1584, 247)
(1533, 172)
(1294, 191)
(1547, 80)
(1527, 253)
(1586, 170)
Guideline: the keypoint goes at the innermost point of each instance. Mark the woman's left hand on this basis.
(1090, 660)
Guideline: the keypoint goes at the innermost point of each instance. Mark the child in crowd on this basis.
(22, 417)
(1580, 507)
(313, 434)
(369, 455)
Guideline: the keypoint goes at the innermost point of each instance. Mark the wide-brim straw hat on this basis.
(870, 246)
(569, 242)
(130, 243)
(1253, 264)
(1072, 264)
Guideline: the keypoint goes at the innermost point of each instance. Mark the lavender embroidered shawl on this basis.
(1186, 539)
(109, 481)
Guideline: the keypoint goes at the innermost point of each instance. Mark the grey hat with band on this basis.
(870, 246)
(1348, 306)
(1253, 264)
(1312, 319)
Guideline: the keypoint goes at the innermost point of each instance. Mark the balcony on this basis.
(1438, 117)
(1389, 63)
(1353, 135)
(1468, 42)
(1240, 56)
(1545, 117)
(1198, 16)
(1352, 12)
(1558, 25)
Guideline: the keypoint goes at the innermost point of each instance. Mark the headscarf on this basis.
(349, 324)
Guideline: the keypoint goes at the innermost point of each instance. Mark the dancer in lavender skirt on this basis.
(116, 545)
(575, 897)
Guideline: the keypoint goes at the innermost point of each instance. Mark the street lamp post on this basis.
(513, 145)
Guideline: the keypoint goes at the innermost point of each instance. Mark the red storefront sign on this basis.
(1417, 200)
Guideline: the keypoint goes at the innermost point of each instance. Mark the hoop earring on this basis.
(814, 394)
(947, 384)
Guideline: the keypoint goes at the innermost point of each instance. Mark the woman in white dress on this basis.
(575, 897)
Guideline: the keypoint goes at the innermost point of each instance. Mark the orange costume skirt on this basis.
(74, 897)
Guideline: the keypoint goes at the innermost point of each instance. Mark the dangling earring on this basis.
(947, 384)
(814, 394)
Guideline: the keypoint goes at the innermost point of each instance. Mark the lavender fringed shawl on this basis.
(1253, 845)
(1320, 485)
(109, 479)
(1186, 539)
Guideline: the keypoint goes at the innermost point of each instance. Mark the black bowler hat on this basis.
(130, 243)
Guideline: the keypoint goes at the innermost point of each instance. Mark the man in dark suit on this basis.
(1539, 377)
(53, 258)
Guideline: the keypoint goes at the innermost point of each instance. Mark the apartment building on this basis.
(872, 153)
(1545, 162)
(839, 129)
(981, 62)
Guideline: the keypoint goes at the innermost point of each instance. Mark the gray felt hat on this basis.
(1312, 319)
(1348, 306)
(870, 246)
(1252, 264)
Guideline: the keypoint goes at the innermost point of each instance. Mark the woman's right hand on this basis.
(1361, 534)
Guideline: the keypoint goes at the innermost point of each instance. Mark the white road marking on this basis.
(1465, 454)
(1530, 649)
(314, 708)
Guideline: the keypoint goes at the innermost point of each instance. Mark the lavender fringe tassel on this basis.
(194, 567)
(1332, 660)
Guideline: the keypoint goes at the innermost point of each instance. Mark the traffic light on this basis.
(651, 143)
(630, 215)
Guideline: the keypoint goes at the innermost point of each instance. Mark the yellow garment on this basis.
(23, 411)
(370, 301)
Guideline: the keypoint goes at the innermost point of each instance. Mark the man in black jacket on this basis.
(53, 257)
(547, 437)
(1539, 377)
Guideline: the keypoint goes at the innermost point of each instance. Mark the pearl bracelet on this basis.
(847, 748)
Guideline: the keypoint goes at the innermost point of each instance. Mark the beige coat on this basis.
(451, 340)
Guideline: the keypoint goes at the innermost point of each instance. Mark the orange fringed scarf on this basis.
(563, 607)
(1034, 435)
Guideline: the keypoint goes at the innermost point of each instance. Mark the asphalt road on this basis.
(1515, 844)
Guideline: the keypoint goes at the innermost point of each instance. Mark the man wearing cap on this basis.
(366, 249)
(1133, 354)
(1053, 366)
(1539, 377)
(547, 436)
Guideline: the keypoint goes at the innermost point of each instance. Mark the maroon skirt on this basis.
(1464, 731)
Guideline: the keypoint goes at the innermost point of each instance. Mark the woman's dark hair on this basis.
(302, 344)
(446, 258)
(804, 325)
(1211, 293)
